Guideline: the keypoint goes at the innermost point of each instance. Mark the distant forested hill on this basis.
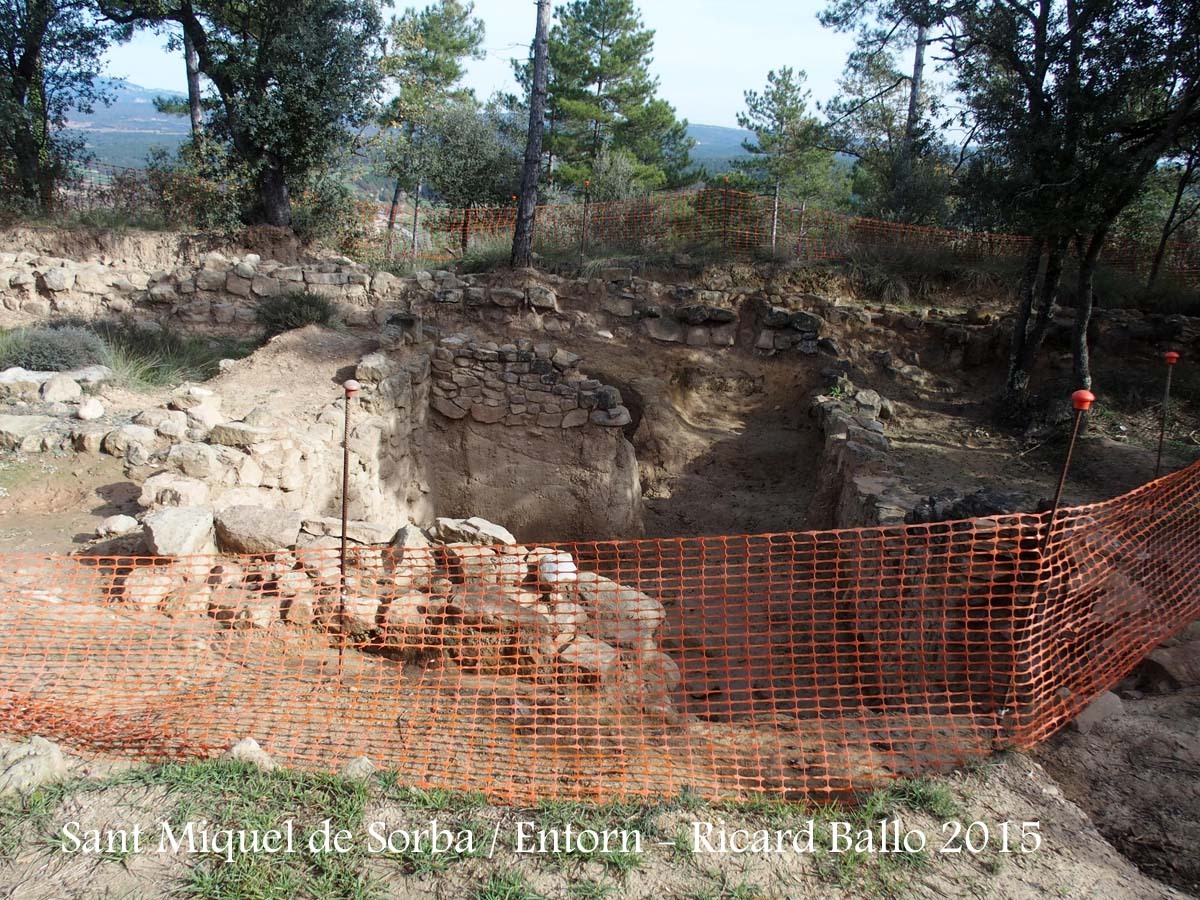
(716, 145)
(123, 133)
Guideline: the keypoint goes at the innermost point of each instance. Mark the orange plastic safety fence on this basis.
(735, 223)
(794, 665)
(739, 224)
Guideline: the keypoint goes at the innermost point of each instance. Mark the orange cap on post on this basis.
(352, 387)
(1171, 357)
(1083, 399)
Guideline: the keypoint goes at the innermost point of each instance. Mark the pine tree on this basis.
(785, 156)
(426, 61)
(601, 96)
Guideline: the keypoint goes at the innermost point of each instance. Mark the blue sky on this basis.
(707, 52)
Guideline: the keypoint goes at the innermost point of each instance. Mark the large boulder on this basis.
(256, 529)
(180, 531)
(472, 531)
(243, 434)
(589, 661)
(16, 430)
(26, 767)
(60, 388)
(135, 443)
(620, 615)
(171, 489)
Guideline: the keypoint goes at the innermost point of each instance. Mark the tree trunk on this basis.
(908, 153)
(391, 226)
(1037, 302)
(1083, 309)
(273, 195)
(192, 62)
(466, 229)
(416, 215)
(522, 252)
(914, 90)
(1017, 382)
(1169, 225)
(775, 218)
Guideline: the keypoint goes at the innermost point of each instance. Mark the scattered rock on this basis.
(180, 531)
(60, 389)
(472, 531)
(242, 434)
(247, 750)
(135, 443)
(15, 431)
(589, 661)
(89, 409)
(114, 526)
(360, 768)
(171, 489)
(556, 568)
(26, 767)
(256, 529)
(1108, 705)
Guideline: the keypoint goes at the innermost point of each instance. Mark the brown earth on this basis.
(1073, 861)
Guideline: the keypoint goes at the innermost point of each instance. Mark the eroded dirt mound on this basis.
(1138, 776)
(295, 373)
(151, 250)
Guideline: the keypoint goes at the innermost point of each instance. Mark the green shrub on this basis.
(295, 310)
(154, 357)
(329, 211)
(51, 349)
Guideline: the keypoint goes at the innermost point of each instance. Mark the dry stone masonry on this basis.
(520, 384)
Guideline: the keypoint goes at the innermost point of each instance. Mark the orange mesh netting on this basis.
(738, 224)
(793, 664)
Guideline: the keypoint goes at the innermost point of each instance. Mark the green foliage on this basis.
(286, 312)
(291, 78)
(868, 120)
(601, 97)
(428, 50)
(144, 358)
(472, 163)
(786, 152)
(329, 211)
(140, 357)
(51, 349)
(202, 187)
(425, 64)
(506, 886)
(51, 54)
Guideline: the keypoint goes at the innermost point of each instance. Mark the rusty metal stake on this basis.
(1082, 401)
(1171, 357)
(352, 387)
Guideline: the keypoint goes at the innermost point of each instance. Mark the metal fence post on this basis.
(1082, 401)
(725, 216)
(351, 387)
(1171, 358)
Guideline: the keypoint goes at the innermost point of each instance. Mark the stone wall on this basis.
(856, 485)
(521, 434)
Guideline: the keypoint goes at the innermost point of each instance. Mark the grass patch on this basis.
(239, 796)
(144, 357)
(506, 886)
(51, 348)
(140, 357)
(286, 312)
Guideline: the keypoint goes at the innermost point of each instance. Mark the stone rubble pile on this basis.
(464, 590)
